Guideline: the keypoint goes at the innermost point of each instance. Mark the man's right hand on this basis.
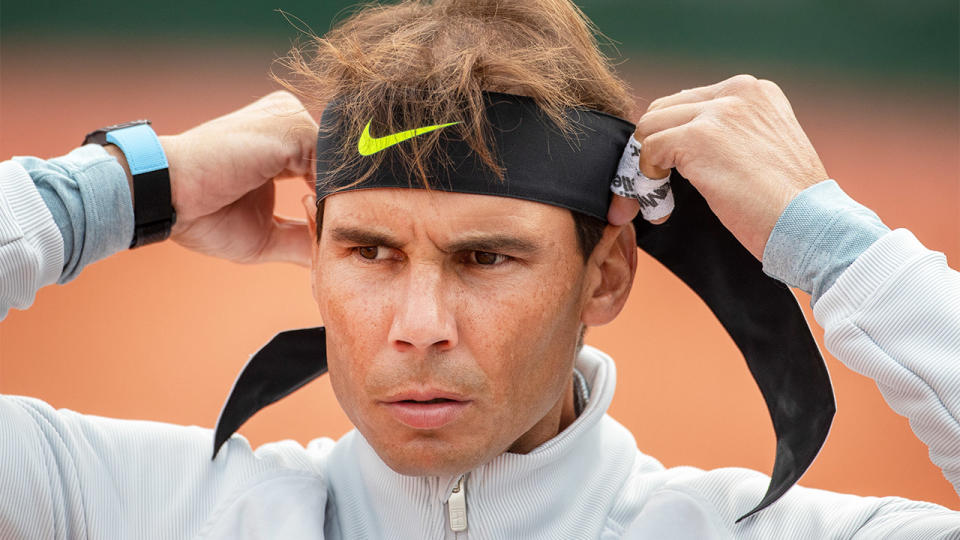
(222, 177)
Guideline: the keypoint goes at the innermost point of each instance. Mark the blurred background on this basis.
(160, 333)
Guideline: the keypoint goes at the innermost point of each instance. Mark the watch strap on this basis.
(141, 147)
(152, 203)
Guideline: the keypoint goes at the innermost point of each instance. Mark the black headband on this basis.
(572, 171)
(542, 164)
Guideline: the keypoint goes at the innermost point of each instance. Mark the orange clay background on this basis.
(159, 333)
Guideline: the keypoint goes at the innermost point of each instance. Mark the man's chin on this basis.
(428, 458)
(420, 469)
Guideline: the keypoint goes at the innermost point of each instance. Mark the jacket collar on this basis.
(563, 488)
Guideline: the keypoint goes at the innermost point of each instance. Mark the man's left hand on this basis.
(739, 144)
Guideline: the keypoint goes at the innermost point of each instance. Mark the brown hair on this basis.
(422, 62)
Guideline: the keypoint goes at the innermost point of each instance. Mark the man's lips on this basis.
(426, 394)
(427, 409)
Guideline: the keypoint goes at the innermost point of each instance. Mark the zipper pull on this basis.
(457, 506)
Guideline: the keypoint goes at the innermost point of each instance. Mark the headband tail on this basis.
(763, 318)
(288, 361)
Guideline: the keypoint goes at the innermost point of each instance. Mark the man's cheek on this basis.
(346, 380)
(537, 347)
(353, 308)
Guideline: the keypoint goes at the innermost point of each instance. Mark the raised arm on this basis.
(890, 307)
(66, 475)
(56, 216)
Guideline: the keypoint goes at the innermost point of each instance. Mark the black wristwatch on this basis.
(153, 213)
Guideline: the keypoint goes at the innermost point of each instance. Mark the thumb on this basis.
(290, 241)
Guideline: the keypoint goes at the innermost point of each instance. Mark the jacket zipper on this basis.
(457, 506)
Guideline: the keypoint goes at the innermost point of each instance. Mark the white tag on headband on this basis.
(655, 196)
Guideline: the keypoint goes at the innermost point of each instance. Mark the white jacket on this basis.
(893, 316)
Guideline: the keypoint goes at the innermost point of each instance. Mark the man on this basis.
(453, 319)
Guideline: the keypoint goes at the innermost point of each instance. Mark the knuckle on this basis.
(652, 152)
(715, 124)
(643, 128)
(700, 132)
(741, 83)
(723, 106)
(281, 95)
(284, 100)
(706, 131)
(651, 146)
(769, 86)
(743, 79)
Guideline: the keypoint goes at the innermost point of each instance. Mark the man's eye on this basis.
(370, 253)
(486, 258)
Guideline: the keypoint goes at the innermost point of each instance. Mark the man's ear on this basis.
(610, 272)
(310, 206)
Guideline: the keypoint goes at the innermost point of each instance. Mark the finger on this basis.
(290, 122)
(703, 93)
(660, 151)
(303, 134)
(300, 142)
(290, 241)
(651, 171)
(692, 95)
(622, 210)
(666, 118)
(657, 157)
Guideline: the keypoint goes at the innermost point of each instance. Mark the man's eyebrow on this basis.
(363, 237)
(494, 243)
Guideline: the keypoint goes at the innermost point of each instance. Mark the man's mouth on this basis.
(425, 410)
(427, 402)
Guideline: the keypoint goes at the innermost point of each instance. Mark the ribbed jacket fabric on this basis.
(893, 315)
(31, 247)
(67, 475)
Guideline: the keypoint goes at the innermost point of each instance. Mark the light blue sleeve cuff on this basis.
(818, 236)
(88, 195)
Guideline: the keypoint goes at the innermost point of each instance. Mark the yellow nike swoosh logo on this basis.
(368, 145)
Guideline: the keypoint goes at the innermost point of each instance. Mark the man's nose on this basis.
(423, 318)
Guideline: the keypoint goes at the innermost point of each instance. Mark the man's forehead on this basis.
(398, 209)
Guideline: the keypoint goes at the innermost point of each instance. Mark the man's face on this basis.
(452, 322)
